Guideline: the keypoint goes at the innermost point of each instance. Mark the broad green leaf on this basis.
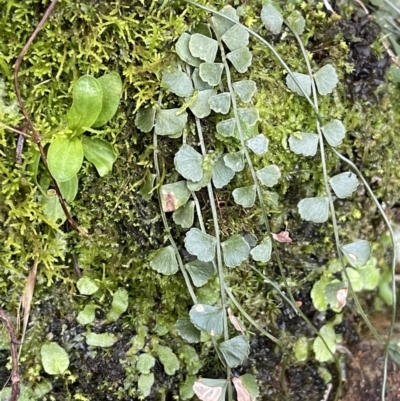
(258, 144)
(65, 158)
(236, 37)
(262, 252)
(221, 24)
(119, 304)
(184, 216)
(326, 79)
(210, 389)
(164, 261)
(249, 115)
(52, 208)
(357, 253)
(235, 350)
(104, 340)
(100, 153)
(334, 132)
(186, 391)
(297, 22)
(344, 184)
(170, 122)
(307, 145)
(245, 90)
(144, 119)
(220, 103)
(201, 107)
(245, 196)
(174, 195)
(369, 275)
(189, 163)
(322, 353)
(221, 174)
(304, 82)
(178, 82)
(69, 189)
(87, 104)
(168, 359)
(200, 272)
(200, 244)
(269, 176)
(182, 48)
(235, 161)
(187, 330)
(144, 363)
(235, 250)
(271, 18)
(208, 318)
(211, 73)
(300, 348)
(199, 84)
(318, 293)
(111, 86)
(55, 359)
(250, 384)
(87, 315)
(355, 279)
(203, 47)
(240, 59)
(145, 383)
(226, 127)
(86, 286)
(314, 209)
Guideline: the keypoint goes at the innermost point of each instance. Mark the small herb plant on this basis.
(95, 102)
(208, 79)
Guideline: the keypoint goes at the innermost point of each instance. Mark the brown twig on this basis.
(35, 136)
(15, 379)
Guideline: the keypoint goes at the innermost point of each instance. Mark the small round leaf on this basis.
(55, 360)
(314, 209)
(200, 244)
(344, 184)
(307, 145)
(164, 261)
(235, 250)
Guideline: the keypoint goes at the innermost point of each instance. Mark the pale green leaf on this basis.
(100, 153)
(65, 158)
(182, 48)
(344, 184)
(104, 340)
(394, 350)
(208, 318)
(86, 286)
(240, 59)
(170, 122)
(119, 304)
(269, 176)
(186, 391)
(236, 37)
(187, 330)
(189, 163)
(203, 47)
(235, 250)
(296, 21)
(145, 383)
(318, 294)
(199, 84)
(300, 348)
(144, 119)
(210, 389)
(249, 115)
(262, 252)
(369, 275)
(322, 352)
(331, 292)
(197, 185)
(314, 209)
(220, 103)
(55, 359)
(245, 90)
(304, 81)
(250, 384)
(326, 79)
(226, 127)
(211, 73)
(258, 144)
(200, 272)
(168, 359)
(235, 350)
(174, 195)
(164, 261)
(52, 207)
(357, 253)
(178, 82)
(356, 281)
(200, 106)
(87, 315)
(245, 196)
(184, 216)
(334, 132)
(221, 24)
(69, 189)
(271, 18)
(307, 145)
(200, 244)
(235, 161)
(144, 363)
(221, 174)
